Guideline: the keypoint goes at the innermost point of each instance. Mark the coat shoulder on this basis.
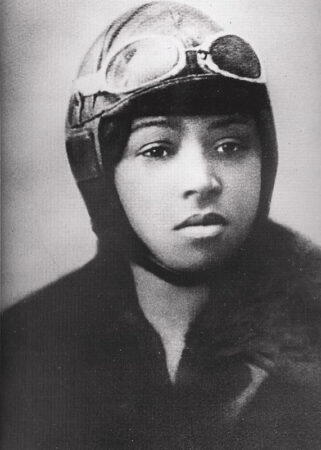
(78, 303)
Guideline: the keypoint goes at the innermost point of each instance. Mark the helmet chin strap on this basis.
(132, 249)
(175, 277)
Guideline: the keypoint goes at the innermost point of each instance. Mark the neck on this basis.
(170, 309)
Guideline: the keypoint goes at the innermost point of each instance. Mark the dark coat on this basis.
(83, 369)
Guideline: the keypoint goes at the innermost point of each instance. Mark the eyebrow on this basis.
(224, 121)
(152, 121)
(217, 122)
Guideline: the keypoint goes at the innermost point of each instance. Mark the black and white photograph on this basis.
(161, 225)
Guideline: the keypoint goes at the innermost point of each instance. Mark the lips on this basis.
(202, 220)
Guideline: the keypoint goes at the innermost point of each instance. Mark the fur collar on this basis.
(270, 308)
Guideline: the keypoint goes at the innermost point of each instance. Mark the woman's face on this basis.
(190, 186)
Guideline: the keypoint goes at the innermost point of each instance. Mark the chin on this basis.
(195, 263)
(202, 257)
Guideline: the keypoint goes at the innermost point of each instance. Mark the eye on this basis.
(232, 147)
(156, 151)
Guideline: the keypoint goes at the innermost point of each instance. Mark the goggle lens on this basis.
(139, 64)
(232, 54)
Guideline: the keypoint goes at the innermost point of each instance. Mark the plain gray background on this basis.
(45, 228)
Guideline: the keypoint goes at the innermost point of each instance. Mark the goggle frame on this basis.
(96, 83)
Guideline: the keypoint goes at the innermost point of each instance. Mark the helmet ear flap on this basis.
(113, 136)
(85, 161)
(82, 155)
(92, 154)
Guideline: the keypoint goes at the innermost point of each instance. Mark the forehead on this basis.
(206, 122)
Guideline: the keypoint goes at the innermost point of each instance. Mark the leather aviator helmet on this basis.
(147, 61)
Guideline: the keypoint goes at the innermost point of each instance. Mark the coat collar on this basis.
(264, 309)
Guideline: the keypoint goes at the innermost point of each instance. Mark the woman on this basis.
(196, 326)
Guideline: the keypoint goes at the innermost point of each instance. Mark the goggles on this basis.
(148, 60)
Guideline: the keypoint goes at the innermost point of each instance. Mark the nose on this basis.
(198, 173)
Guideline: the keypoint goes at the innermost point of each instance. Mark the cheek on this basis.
(128, 188)
(139, 193)
(243, 188)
